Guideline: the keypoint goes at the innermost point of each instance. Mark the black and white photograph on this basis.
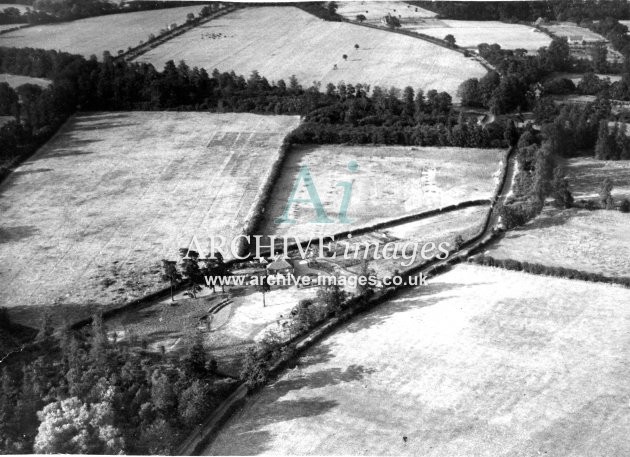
(315, 228)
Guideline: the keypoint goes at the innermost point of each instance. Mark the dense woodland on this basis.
(84, 392)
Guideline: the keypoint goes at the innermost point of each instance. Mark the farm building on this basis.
(280, 267)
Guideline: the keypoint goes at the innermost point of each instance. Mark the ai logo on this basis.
(304, 178)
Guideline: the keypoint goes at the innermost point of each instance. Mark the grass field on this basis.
(593, 241)
(88, 219)
(375, 11)
(284, 41)
(569, 29)
(17, 80)
(445, 227)
(390, 181)
(95, 35)
(469, 34)
(587, 174)
(481, 362)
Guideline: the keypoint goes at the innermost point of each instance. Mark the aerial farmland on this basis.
(439, 176)
(107, 227)
(241, 41)
(485, 369)
(93, 36)
(450, 272)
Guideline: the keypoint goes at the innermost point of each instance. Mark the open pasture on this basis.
(469, 34)
(94, 35)
(481, 362)
(89, 217)
(443, 228)
(591, 241)
(387, 182)
(282, 41)
(574, 32)
(375, 11)
(17, 80)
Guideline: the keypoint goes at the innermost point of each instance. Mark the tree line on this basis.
(529, 11)
(341, 113)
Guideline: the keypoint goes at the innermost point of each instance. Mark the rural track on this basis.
(201, 436)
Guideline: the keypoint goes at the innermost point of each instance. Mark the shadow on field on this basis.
(19, 232)
(407, 300)
(246, 435)
(590, 176)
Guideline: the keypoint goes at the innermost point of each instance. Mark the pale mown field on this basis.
(593, 241)
(90, 216)
(482, 362)
(375, 11)
(95, 35)
(17, 80)
(284, 41)
(587, 174)
(469, 34)
(389, 182)
(569, 29)
(443, 228)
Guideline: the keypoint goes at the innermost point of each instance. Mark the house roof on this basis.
(279, 264)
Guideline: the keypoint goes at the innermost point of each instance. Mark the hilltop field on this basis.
(282, 41)
(114, 193)
(463, 366)
(389, 182)
(94, 35)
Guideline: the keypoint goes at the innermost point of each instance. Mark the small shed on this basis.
(280, 267)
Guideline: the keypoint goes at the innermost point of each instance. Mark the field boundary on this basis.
(389, 223)
(139, 50)
(205, 432)
(421, 36)
(540, 269)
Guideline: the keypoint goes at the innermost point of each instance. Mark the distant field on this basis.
(88, 219)
(569, 29)
(284, 41)
(375, 11)
(592, 241)
(469, 34)
(17, 80)
(443, 228)
(390, 181)
(482, 362)
(95, 35)
(587, 175)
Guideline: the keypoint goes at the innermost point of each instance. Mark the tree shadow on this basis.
(418, 297)
(17, 233)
